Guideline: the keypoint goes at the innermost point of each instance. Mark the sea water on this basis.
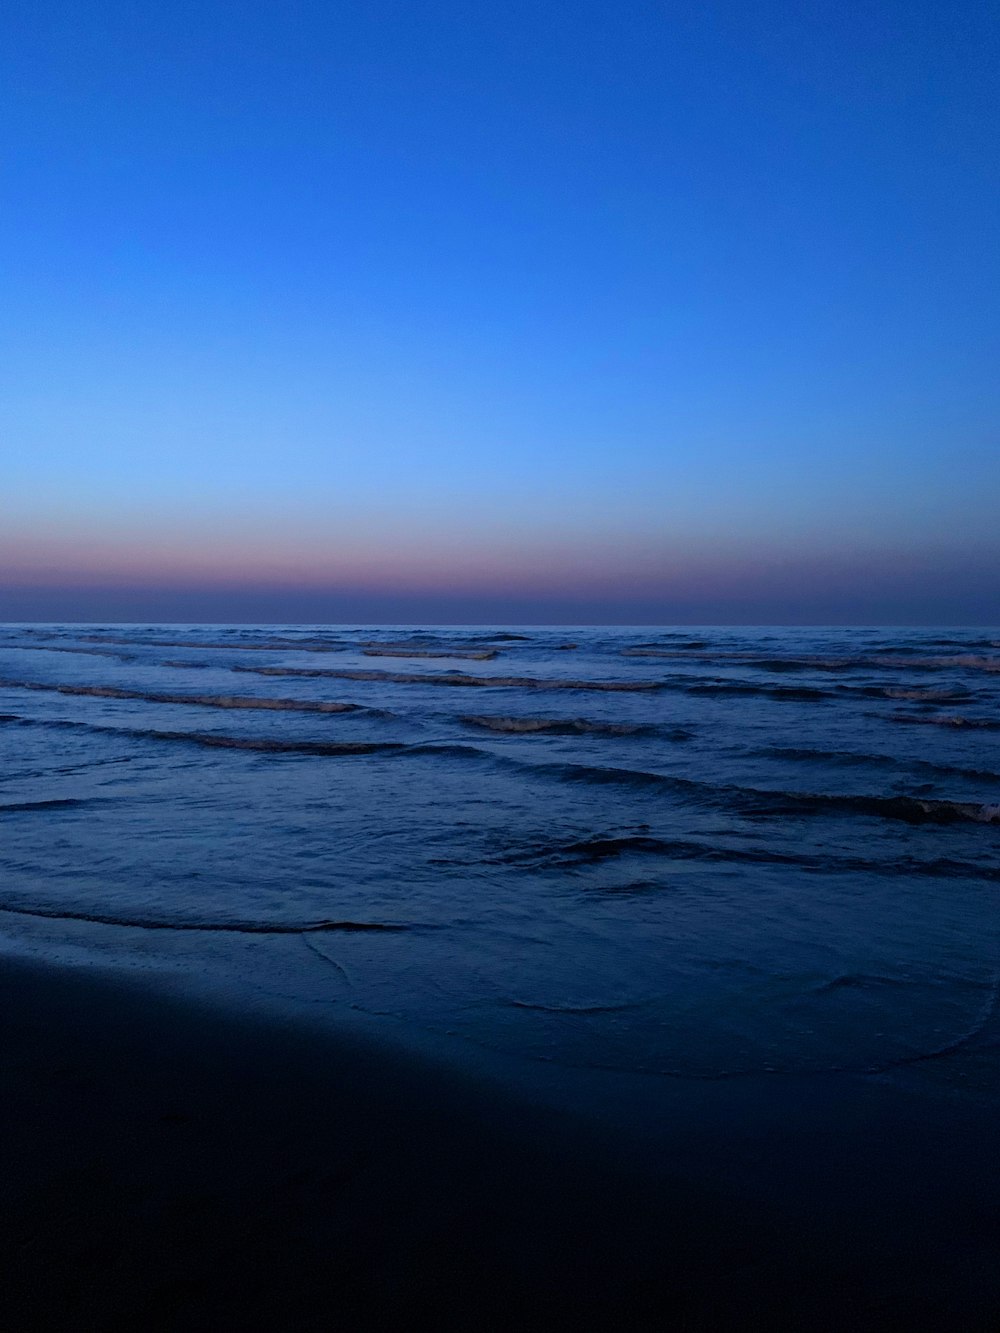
(697, 854)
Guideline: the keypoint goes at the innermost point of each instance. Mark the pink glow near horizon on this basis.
(682, 572)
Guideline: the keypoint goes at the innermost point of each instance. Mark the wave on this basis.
(54, 803)
(470, 655)
(594, 850)
(967, 661)
(569, 727)
(964, 643)
(851, 758)
(267, 646)
(791, 693)
(198, 700)
(746, 801)
(922, 644)
(909, 809)
(484, 637)
(591, 850)
(633, 889)
(675, 650)
(58, 648)
(754, 801)
(720, 687)
(265, 745)
(452, 749)
(678, 653)
(923, 695)
(599, 775)
(704, 688)
(583, 1009)
(227, 927)
(817, 662)
(858, 981)
(947, 720)
(9, 717)
(213, 740)
(454, 678)
(974, 661)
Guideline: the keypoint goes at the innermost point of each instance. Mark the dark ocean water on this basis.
(700, 854)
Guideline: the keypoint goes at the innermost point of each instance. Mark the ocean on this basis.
(691, 854)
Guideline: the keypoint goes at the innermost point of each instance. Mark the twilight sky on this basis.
(544, 310)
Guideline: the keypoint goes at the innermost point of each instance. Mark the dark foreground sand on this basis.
(166, 1165)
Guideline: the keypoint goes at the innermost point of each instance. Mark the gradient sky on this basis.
(592, 310)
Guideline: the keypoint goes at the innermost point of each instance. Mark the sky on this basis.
(576, 311)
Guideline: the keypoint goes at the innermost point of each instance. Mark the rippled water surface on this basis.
(696, 853)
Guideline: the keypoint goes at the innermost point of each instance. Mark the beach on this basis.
(173, 1164)
(170, 1165)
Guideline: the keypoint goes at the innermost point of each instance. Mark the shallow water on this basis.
(696, 853)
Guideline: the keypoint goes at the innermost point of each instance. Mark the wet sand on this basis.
(167, 1164)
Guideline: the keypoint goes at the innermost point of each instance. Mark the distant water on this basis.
(696, 853)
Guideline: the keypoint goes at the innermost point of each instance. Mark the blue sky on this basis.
(586, 310)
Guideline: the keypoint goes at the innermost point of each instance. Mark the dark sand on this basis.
(169, 1165)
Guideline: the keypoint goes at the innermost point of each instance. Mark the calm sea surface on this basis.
(694, 853)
